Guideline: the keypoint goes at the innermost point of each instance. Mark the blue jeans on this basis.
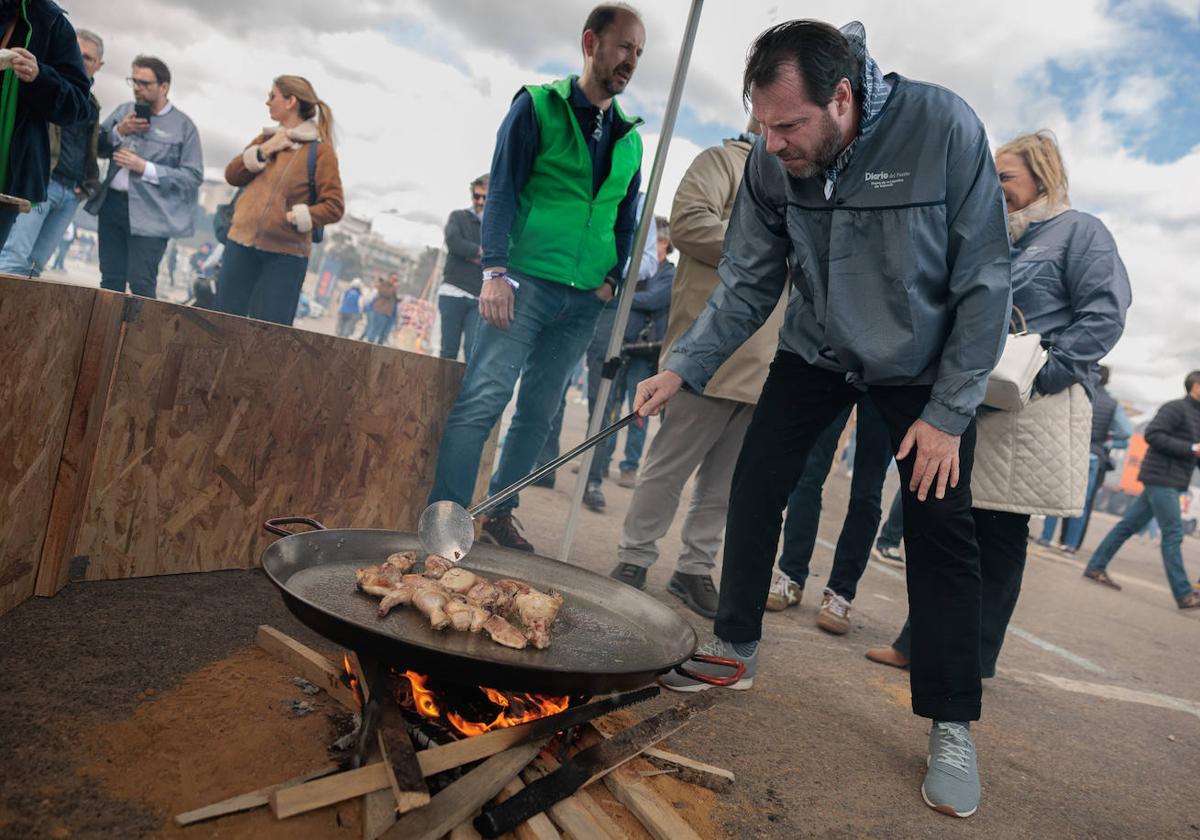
(1074, 534)
(36, 234)
(872, 455)
(378, 326)
(1156, 503)
(460, 321)
(634, 371)
(552, 327)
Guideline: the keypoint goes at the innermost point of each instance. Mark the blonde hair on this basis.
(310, 103)
(1042, 158)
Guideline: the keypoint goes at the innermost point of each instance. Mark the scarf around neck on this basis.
(1039, 211)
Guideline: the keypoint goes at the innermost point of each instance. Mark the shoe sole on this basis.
(947, 809)
(681, 593)
(829, 626)
(743, 684)
(886, 662)
(1108, 583)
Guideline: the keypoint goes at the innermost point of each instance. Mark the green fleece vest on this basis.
(562, 232)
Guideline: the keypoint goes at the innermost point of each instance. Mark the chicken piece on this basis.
(378, 580)
(458, 580)
(504, 633)
(403, 593)
(485, 595)
(508, 591)
(464, 615)
(436, 566)
(537, 611)
(432, 601)
(402, 560)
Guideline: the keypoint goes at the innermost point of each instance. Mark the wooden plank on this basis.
(309, 664)
(569, 814)
(537, 827)
(287, 802)
(248, 801)
(546, 763)
(75, 467)
(461, 799)
(44, 327)
(400, 760)
(656, 814)
(216, 423)
(379, 806)
(465, 831)
(690, 770)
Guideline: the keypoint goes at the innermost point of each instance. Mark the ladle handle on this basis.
(516, 487)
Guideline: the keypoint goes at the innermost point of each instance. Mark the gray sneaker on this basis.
(952, 781)
(717, 647)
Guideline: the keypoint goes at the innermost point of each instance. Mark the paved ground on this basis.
(1090, 729)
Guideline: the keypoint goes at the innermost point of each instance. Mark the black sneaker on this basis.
(697, 591)
(628, 573)
(502, 530)
(593, 499)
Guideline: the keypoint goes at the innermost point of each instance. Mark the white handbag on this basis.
(1010, 384)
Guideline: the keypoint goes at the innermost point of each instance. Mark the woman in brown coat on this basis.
(290, 187)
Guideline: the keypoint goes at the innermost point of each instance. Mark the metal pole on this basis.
(625, 301)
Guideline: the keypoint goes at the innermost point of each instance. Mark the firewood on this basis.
(300, 799)
(309, 664)
(548, 764)
(569, 815)
(248, 801)
(692, 771)
(400, 759)
(462, 798)
(537, 827)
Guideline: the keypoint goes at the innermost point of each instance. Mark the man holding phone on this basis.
(150, 193)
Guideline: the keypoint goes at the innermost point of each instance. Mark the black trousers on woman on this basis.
(798, 401)
(1002, 541)
(260, 284)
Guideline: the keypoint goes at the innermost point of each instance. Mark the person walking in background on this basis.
(46, 83)
(561, 214)
(149, 195)
(290, 188)
(74, 175)
(458, 296)
(700, 434)
(1111, 430)
(1070, 284)
(350, 309)
(172, 262)
(887, 544)
(381, 315)
(1173, 440)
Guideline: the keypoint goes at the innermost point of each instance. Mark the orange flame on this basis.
(422, 696)
(352, 680)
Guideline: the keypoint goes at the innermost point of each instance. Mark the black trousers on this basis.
(1003, 538)
(261, 284)
(797, 403)
(127, 262)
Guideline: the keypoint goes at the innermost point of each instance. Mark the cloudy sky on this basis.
(418, 88)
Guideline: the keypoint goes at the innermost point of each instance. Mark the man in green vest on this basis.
(557, 231)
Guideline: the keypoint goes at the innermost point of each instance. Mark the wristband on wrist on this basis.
(494, 275)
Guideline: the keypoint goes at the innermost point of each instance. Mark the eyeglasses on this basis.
(478, 196)
(140, 83)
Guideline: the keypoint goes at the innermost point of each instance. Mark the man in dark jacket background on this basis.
(1173, 437)
(458, 297)
(49, 84)
(74, 174)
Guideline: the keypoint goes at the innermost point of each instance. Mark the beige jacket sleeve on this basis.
(700, 210)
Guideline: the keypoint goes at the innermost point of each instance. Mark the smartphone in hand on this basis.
(141, 110)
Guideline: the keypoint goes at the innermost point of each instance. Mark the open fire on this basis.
(473, 710)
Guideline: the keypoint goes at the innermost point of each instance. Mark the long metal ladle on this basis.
(447, 528)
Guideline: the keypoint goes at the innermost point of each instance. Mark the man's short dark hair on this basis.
(1189, 381)
(1104, 374)
(819, 52)
(601, 17)
(482, 180)
(162, 73)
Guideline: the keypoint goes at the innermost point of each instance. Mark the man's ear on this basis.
(590, 40)
(843, 95)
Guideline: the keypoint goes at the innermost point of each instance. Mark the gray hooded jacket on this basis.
(899, 277)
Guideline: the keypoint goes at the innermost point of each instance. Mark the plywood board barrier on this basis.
(43, 327)
(216, 423)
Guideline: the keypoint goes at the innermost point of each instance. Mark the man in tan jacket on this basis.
(699, 434)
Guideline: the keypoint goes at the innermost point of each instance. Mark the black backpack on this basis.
(223, 215)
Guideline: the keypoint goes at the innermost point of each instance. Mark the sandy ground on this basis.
(1090, 729)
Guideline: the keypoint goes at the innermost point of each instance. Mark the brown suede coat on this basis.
(272, 189)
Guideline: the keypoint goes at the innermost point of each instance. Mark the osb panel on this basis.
(217, 423)
(42, 331)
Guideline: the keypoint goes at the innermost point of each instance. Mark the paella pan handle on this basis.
(739, 669)
(275, 526)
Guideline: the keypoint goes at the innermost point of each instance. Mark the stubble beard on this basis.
(825, 154)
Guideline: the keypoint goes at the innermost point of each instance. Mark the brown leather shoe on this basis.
(888, 656)
(1101, 577)
(1190, 601)
(502, 530)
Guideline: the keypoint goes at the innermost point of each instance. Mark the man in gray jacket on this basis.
(150, 192)
(881, 195)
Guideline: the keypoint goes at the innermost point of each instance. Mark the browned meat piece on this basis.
(378, 580)
(432, 602)
(464, 615)
(402, 560)
(458, 580)
(436, 566)
(537, 611)
(504, 633)
(403, 593)
(485, 594)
